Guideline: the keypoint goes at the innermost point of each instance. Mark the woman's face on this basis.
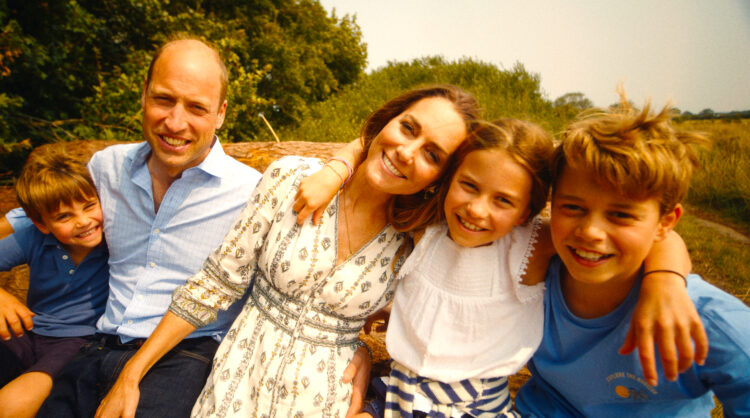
(411, 151)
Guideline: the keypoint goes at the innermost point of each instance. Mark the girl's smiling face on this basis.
(488, 196)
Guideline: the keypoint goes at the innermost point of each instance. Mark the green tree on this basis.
(570, 104)
(73, 69)
(706, 114)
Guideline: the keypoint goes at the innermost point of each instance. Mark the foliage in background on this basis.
(721, 260)
(722, 184)
(502, 93)
(74, 69)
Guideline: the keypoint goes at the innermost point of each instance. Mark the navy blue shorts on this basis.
(36, 353)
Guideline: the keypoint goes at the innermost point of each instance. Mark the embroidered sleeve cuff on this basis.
(187, 308)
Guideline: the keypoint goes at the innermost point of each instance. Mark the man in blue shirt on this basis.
(167, 203)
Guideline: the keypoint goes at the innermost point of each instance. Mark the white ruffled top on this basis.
(461, 312)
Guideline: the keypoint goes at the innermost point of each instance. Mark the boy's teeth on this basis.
(391, 167)
(173, 141)
(85, 234)
(468, 225)
(588, 255)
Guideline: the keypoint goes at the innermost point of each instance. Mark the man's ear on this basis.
(221, 115)
(668, 221)
(41, 227)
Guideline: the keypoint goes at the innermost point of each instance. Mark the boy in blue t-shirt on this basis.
(619, 177)
(68, 279)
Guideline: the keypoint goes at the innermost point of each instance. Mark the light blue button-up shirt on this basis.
(151, 254)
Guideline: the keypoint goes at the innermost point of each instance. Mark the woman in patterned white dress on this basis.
(311, 286)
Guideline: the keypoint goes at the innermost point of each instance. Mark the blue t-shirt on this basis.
(578, 372)
(66, 299)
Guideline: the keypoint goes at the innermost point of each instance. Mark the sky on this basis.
(693, 53)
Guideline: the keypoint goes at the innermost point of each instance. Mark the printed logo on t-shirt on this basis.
(627, 386)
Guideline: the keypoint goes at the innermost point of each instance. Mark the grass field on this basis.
(720, 192)
(721, 187)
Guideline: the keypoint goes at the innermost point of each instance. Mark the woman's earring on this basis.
(429, 191)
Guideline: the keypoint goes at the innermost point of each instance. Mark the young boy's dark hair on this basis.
(49, 178)
(618, 178)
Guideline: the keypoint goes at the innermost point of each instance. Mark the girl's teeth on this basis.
(391, 167)
(469, 226)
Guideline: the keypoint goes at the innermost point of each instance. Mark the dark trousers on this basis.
(169, 389)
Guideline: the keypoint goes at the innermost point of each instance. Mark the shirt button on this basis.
(130, 322)
(65, 257)
(140, 297)
(71, 271)
(153, 264)
(156, 231)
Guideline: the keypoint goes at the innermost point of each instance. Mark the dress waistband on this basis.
(304, 319)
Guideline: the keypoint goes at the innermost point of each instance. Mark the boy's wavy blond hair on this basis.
(52, 177)
(636, 152)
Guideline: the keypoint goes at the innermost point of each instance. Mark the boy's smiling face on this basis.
(600, 234)
(78, 225)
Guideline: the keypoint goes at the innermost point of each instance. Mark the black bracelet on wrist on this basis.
(667, 271)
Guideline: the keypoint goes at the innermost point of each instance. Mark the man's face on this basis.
(181, 108)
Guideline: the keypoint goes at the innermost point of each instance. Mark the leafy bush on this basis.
(501, 93)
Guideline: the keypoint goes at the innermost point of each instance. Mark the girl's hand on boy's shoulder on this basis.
(665, 316)
(14, 316)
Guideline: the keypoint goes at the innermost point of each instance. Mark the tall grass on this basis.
(718, 258)
(722, 185)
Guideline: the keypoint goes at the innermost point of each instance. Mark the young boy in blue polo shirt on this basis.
(619, 177)
(68, 280)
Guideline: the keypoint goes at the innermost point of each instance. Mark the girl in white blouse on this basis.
(462, 320)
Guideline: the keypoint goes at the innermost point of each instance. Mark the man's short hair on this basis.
(52, 177)
(224, 76)
(637, 153)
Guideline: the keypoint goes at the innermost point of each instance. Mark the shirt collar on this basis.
(214, 164)
(50, 240)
